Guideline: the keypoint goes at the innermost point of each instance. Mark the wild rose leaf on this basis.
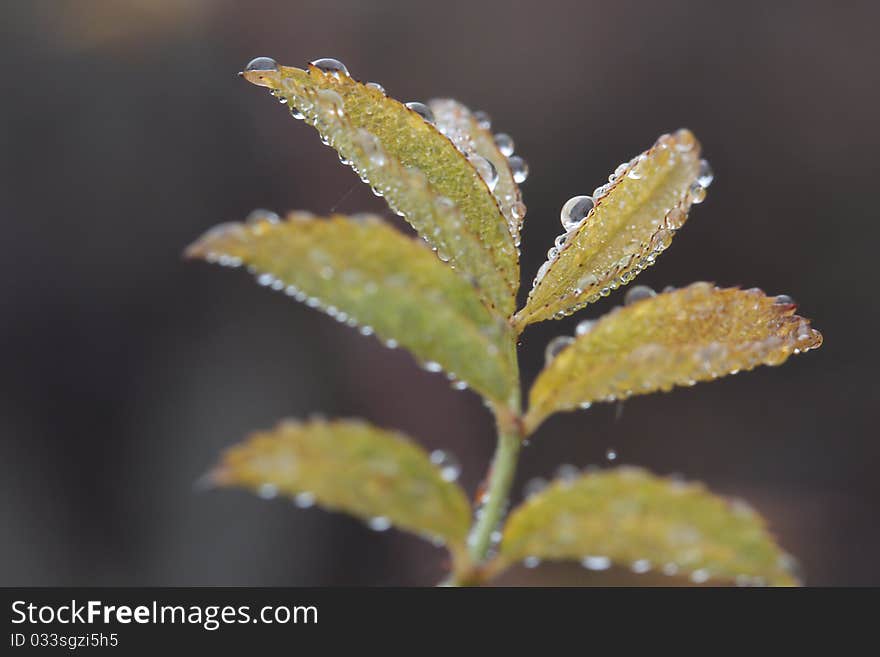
(470, 133)
(631, 518)
(418, 170)
(634, 218)
(696, 333)
(351, 466)
(364, 272)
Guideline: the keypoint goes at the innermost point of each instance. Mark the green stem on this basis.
(498, 490)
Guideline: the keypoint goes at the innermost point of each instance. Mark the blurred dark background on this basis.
(126, 133)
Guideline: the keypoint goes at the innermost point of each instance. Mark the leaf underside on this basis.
(350, 466)
(696, 333)
(458, 123)
(421, 174)
(364, 272)
(631, 223)
(633, 518)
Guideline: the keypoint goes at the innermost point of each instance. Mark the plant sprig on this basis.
(439, 166)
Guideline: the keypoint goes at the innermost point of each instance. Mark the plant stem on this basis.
(498, 490)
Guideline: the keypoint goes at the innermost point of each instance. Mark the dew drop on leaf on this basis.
(262, 64)
(504, 142)
(585, 327)
(331, 66)
(422, 110)
(705, 175)
(449, 466)
(379, 523)
(638, 293)
(486, 169)
(596, 562)
(304, 500)
(519, 168)
(556, 345)
(534, 486)
(575, 211)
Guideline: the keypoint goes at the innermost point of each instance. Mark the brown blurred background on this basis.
(126, 133)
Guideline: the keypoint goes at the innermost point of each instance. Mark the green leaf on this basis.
(464, 130)
(365, 272)
(351, 466)
(632, 518)
(634, 219)
(697, 333)
(418, 170)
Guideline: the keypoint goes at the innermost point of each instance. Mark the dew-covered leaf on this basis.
(631, 518)
(351, 466)
(633, 218)
(696, 333)
(421, 174)
(471, 135)
(365, 273)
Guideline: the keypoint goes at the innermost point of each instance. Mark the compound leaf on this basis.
(351, 466)
(629, 517)
(634, 218)
(364, 272)
(696, 333)
(418, 170)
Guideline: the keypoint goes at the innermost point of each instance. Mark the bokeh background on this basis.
(126, 133)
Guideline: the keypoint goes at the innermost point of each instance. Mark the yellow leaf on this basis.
(351, 466)
(697, 333)
(634, 218)
(421, 174)
(464, 130)
(364, 272)
(631, 518)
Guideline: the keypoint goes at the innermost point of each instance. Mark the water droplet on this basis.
(265, 280)
(556, 345)
(699, 576)
(379, 523)
(262, 64)
(422, 110)
(519, 168)
(784, 300)
(596, 563)
(531, 562)
(575, 211)
(670, 568)
(518, 211)
(534, 486)
(610, 454)
(640, 566)
(568, 472)
(483, 119)
(638, 293)
(486, 169)
(449, 466)
(376, 86)
(697, 193)
(504, 142)
(267, 491)
(705, 176)
(304, 500)
(496, 537)
(433, 366)
(585, 327)
(260, 216)
(330, 66)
